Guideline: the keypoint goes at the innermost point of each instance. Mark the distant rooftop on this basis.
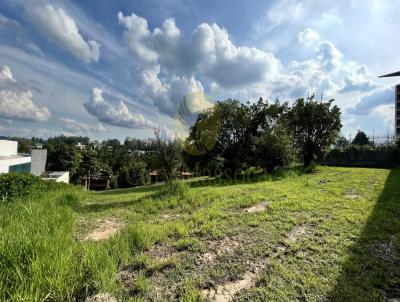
(14, 156)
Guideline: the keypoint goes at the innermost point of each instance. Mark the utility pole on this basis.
(373, 137)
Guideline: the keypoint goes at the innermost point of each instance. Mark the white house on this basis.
(10, 160)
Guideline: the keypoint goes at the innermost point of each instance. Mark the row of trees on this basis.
(127, 164)
(264, 134)
(124, 163)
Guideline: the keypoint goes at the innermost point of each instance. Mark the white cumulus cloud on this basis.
(329, 56)
(308, 36)
(59, 28)
(118, 115)
(358, 79)
(75, 126)
(16, 102)
(171, 63)
(369, 102)
(168, 92)
(208, 50)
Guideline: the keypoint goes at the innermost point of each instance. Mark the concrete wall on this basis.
(58, 176)
(64, 178)
(5, 163)
(8, 148)
(38, 165)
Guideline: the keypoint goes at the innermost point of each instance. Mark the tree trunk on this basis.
(307, 159)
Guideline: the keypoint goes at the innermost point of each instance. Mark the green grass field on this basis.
(330, 235)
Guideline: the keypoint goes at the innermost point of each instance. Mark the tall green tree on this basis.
(273, 149)
(222, 132)
(361, 139)
(62, 157)
(342, 142)
(169, 155)
(89, 164)
(314, 126)
(236, 134)
(133, 173)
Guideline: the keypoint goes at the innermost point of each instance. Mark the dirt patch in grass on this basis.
(225, 292)
(351, 194)
(170, 216)
(232, 252)
(161, 251)
(217, 248)
(160, 254)
(104, 229)
(261, 207)
(104, 297)
(298, 232)
(126, 276)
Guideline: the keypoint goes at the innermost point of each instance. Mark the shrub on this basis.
(361, 139)
(314, 126)
(70, 199)
(134, 173)
(274, 150)
(19, 185)
(175, 188)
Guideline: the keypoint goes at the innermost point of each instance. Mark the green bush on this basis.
(175, 188)
(19, 185)
(274, 150)
(70, 199)
(133, 173)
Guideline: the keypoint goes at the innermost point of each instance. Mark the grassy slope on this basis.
(348, 250)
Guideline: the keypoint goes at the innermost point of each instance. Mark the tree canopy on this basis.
(314, 126)
(361, 139)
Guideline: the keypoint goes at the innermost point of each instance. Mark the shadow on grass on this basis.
(253, 177)
(372, 271)
(99, 206)
(144, 189)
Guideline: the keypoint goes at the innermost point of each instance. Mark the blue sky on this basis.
(112, 69)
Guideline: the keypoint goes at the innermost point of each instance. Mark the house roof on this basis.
(394, 74)
(13, 156)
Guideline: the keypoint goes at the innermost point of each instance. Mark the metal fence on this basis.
(378, 154)
(377, 140)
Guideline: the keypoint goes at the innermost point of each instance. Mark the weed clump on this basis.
(70, 199)
(174, 188)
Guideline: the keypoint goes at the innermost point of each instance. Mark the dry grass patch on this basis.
(217, 248)
(351, 194)
(298, 232)
(261, 207)
(103, 297)
(225, 292)
(104, 229)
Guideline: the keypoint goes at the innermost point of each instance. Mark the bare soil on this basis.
(104, 229)
(225, 292)
(104, 297)
(261, 207)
